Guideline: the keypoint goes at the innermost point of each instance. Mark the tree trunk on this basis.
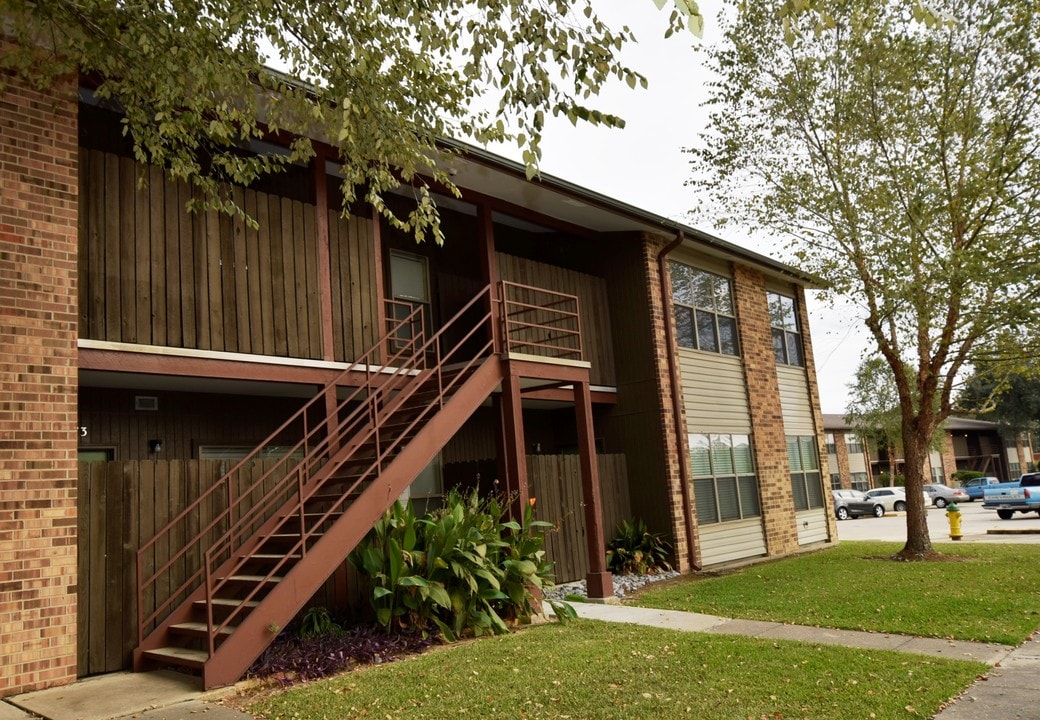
(915, 451)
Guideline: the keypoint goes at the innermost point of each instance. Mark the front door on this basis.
(409, 288)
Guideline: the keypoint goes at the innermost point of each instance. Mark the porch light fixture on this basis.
(155, 446)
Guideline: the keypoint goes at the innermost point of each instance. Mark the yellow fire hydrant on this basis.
(953, 514)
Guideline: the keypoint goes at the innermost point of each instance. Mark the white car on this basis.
(893, 498)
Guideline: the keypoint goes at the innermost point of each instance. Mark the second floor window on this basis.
(853, 444)
(787, 340)
(705, 318)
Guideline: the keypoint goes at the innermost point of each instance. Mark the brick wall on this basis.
(841, 452)
(38, 231)
(949, 457)
(767, 416)
(814, 399)
(674, 452)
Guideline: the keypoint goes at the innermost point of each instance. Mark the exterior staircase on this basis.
(277, 540)
(253, 552)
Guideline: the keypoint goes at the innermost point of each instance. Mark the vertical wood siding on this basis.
(354, 308)
(152, 273)
(555, 481)
(122, 505)
(592, 301)
(714, 393)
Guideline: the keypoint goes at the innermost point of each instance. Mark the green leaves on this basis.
(464, 569)
(636, 550)
(194, 83)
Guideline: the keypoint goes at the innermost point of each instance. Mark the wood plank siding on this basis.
(591, 292)
(714, 393)
(152, 273)
(555, 481)
(121, 505)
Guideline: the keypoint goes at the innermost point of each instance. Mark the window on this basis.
(835, 481)
(805, 472)
(705, 318)
(859, 481)
(1015, 469)
(853, 444)
(724, 484)
(832, 448)
(787, 341)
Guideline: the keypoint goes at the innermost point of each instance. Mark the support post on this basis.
(600, 585)
(513, 436)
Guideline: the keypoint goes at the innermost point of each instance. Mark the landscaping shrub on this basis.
(291, 658)
(636, 550)
(961, 476)
(464, 569)
(889, 480)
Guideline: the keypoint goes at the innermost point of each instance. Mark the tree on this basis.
(902, 160)
(873, 409)
(382, 83)
(1010, 399)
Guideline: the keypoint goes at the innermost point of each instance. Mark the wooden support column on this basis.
(321, 225)
(489, 271)
(513, 437)
(599, 583)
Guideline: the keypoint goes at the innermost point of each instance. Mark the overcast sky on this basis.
(644, 165)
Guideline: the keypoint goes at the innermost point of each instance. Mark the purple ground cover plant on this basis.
(291, 659)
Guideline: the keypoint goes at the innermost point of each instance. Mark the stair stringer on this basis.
(259, 628)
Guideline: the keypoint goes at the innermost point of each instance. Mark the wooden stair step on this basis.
(229, 602)
(183, 657)
(198, 629)
(255, 578)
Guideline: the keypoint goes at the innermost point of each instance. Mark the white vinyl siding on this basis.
(729, 542)
(794, 399)
(812, 526)
(714, 393)
(857, 463)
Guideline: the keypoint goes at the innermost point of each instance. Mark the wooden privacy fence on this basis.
(555, 482)
(121, 505)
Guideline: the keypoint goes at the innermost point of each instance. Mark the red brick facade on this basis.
(814, 401)
(38, 231)
(767, 416)
(674, 452)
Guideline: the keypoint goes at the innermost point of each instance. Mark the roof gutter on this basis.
(676, 382)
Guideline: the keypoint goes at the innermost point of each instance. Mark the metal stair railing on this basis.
(461, 358)
(312, 443)
(384, 388)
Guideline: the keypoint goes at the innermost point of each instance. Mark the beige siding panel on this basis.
(714, 393)
(794, 398)
(857, 463)
(732, 541)
(812, 526)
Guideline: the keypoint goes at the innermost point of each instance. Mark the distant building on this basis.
(970, 445)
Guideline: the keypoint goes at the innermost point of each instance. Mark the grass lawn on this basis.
(986, 593)
(586, 669)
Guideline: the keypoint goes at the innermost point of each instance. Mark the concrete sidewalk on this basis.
(1008, 691)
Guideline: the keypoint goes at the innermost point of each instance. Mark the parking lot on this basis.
(976, 525)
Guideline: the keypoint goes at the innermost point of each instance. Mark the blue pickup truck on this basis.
(976, 486)
(1023, 496)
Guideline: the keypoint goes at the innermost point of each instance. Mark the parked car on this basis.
(893, 497)
(977, 486)
(1023, 496)
(854, 504)
(942, 495)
